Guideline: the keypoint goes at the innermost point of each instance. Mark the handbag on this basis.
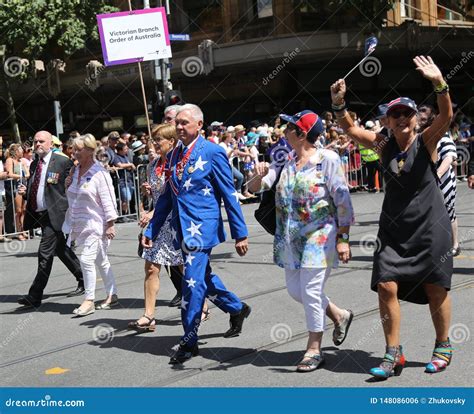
(140, 247)
(265, 214)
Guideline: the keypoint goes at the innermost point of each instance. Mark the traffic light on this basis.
(173, 97)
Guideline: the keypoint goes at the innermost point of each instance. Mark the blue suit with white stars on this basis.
(197, 226)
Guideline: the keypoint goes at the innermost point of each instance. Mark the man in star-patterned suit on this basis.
(199, 177)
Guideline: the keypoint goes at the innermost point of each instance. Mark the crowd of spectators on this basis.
(126, 156)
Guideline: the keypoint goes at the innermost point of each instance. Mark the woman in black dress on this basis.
(412, 262)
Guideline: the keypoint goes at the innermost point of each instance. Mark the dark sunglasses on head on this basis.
(397, 113)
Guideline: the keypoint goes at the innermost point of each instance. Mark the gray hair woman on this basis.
(90, 222)
(313, 217)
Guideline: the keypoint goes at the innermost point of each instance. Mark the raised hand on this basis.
(428, 69)
(338, 91)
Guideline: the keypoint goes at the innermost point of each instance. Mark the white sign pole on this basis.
(145, 104)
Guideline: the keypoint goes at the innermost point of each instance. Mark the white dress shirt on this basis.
(40, 200)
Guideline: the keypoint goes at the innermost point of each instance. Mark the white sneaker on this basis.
(241, 197)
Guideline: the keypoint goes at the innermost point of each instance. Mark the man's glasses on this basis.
(407, 113)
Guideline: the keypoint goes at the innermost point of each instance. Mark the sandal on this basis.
(141, 328)
(206, 315)
(310, 362)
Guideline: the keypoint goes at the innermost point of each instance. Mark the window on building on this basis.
(195, 16)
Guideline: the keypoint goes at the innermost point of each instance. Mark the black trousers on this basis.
(372, 168)
(176, 278)
(52, 243)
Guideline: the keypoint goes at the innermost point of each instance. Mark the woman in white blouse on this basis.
(90, 222)
(313, 218)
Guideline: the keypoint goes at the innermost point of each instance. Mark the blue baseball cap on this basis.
(381, 111)
(308, 121)
(401, 102)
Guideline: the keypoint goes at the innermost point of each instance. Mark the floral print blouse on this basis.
(310, 205)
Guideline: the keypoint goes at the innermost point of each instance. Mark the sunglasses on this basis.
(397, 113)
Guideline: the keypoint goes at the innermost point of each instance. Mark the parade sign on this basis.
(134, 36)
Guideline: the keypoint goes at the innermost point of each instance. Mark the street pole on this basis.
(58, 118)
(161, 65)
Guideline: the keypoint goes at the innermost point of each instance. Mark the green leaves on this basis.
(47, 29)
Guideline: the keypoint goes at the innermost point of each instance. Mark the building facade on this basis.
(253, 59)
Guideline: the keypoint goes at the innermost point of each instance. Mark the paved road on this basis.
(49, 348)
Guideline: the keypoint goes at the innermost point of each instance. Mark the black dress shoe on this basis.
(236, 321)
(175, 302)
(183, 354)
(29, 302)
(78, 291)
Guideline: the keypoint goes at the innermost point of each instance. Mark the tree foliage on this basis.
(49, 29)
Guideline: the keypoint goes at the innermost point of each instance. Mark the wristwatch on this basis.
(343, 237)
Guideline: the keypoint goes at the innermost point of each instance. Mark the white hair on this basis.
(172, 108)
(194, 109)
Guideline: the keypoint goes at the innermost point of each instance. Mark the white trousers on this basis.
(95, 254)
(306, 286)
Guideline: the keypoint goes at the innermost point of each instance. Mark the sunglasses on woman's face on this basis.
(397, 113)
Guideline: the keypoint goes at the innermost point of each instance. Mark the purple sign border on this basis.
(100, 17)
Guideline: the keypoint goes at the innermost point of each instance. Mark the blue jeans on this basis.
(126, 192)
(239, 177)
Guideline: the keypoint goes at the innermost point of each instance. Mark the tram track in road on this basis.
(192, 372)
(211, 365)
(118, 331)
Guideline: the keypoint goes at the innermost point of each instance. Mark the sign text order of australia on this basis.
(118, 36)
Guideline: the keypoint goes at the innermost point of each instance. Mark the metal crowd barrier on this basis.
(10, 225)
(355, 172)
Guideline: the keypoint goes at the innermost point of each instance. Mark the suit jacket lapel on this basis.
(33, 167)
(174, 182)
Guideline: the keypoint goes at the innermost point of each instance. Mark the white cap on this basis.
(230, 129)
(369, 125)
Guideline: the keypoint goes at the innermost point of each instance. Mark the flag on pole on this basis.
(370, 45)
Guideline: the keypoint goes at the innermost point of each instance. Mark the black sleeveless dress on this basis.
(415, 230)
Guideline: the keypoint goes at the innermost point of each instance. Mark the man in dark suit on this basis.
(46, 207)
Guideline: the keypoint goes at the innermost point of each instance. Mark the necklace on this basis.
(183, 161)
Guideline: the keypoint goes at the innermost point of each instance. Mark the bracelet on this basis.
(338, 108)
(442, 88)
(343, 238)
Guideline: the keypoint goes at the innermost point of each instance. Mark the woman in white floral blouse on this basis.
(313, 217)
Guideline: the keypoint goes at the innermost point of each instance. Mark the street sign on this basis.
(134, 36)
(180, 37)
